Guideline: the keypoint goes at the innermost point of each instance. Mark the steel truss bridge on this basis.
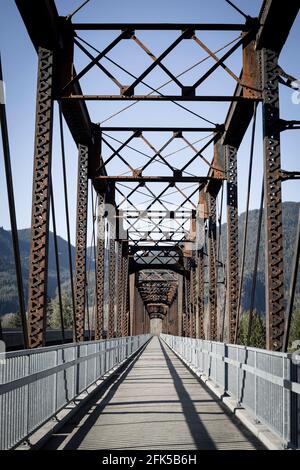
(161, 270)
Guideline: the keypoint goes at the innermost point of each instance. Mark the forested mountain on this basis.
(290, 218)
(8, 290)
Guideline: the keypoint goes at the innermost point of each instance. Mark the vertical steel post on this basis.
(38, 268)
(125, 313)
(212, 266)
(201, 294)
(120, 288)
(81, 235)
(112, 286)
(180, 305)
(232, 241)
(188, 300)
(193, 300)
(132, 294)
(273, 206)
(100, 266)
(184, 305)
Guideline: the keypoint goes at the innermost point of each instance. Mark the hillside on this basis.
(290, 217)
(8, 291)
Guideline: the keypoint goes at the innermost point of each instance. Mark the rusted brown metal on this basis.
(200, 98)
(56, 34)
(275, 312)
(201, 294)
(232, 242)
(158, 179)
(38, 266)
(160, 26)
(81, 234)
(99, 324)
(193, 301)
(112, 288)
(212, 266)
(120, 288)
(251, 76)
(124, 320)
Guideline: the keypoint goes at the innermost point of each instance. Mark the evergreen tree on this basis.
(15, 321)
(258, 333)
(295, 327)
(67, 310)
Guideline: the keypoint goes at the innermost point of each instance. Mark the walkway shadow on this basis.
(201, 437)
(87, 409)
(196, 432)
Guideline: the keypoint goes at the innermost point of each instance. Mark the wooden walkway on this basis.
(157, 403)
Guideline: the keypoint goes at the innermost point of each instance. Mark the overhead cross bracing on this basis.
(161, 190)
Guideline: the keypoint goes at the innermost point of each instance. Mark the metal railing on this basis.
(263, 382)
(36, 384)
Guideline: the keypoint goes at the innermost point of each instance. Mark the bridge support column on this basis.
(38, 270)
(139, 317)
(112, 226)
(200, 311)
(125, 320)
(99, 321)
(232, 242)
(275, 315)
(187, 299)
(180, 305)
(120, 288)
(212, 267)
(81, 233)
(131, 302)
(112, 288)
(173, 317)
(193, 300)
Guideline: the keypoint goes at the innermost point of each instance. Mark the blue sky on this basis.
(19, 63)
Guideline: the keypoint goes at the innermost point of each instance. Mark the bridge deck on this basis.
(156, 404)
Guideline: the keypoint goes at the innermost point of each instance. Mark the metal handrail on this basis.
(36, 384)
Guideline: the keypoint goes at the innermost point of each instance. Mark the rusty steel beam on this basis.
(176, 130)
(112, 288)
(201, 294)
(135, 267)
(127, 304)
(212, 266)
(124, 325)
(193, 301)
(156, 179)
(81, 236)
(160, 26)
(272, 17)
(120, 288)
(232, 241)
(100, 266)
(205, 98)
(275, 312)
(46, 29)
(38, 267)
